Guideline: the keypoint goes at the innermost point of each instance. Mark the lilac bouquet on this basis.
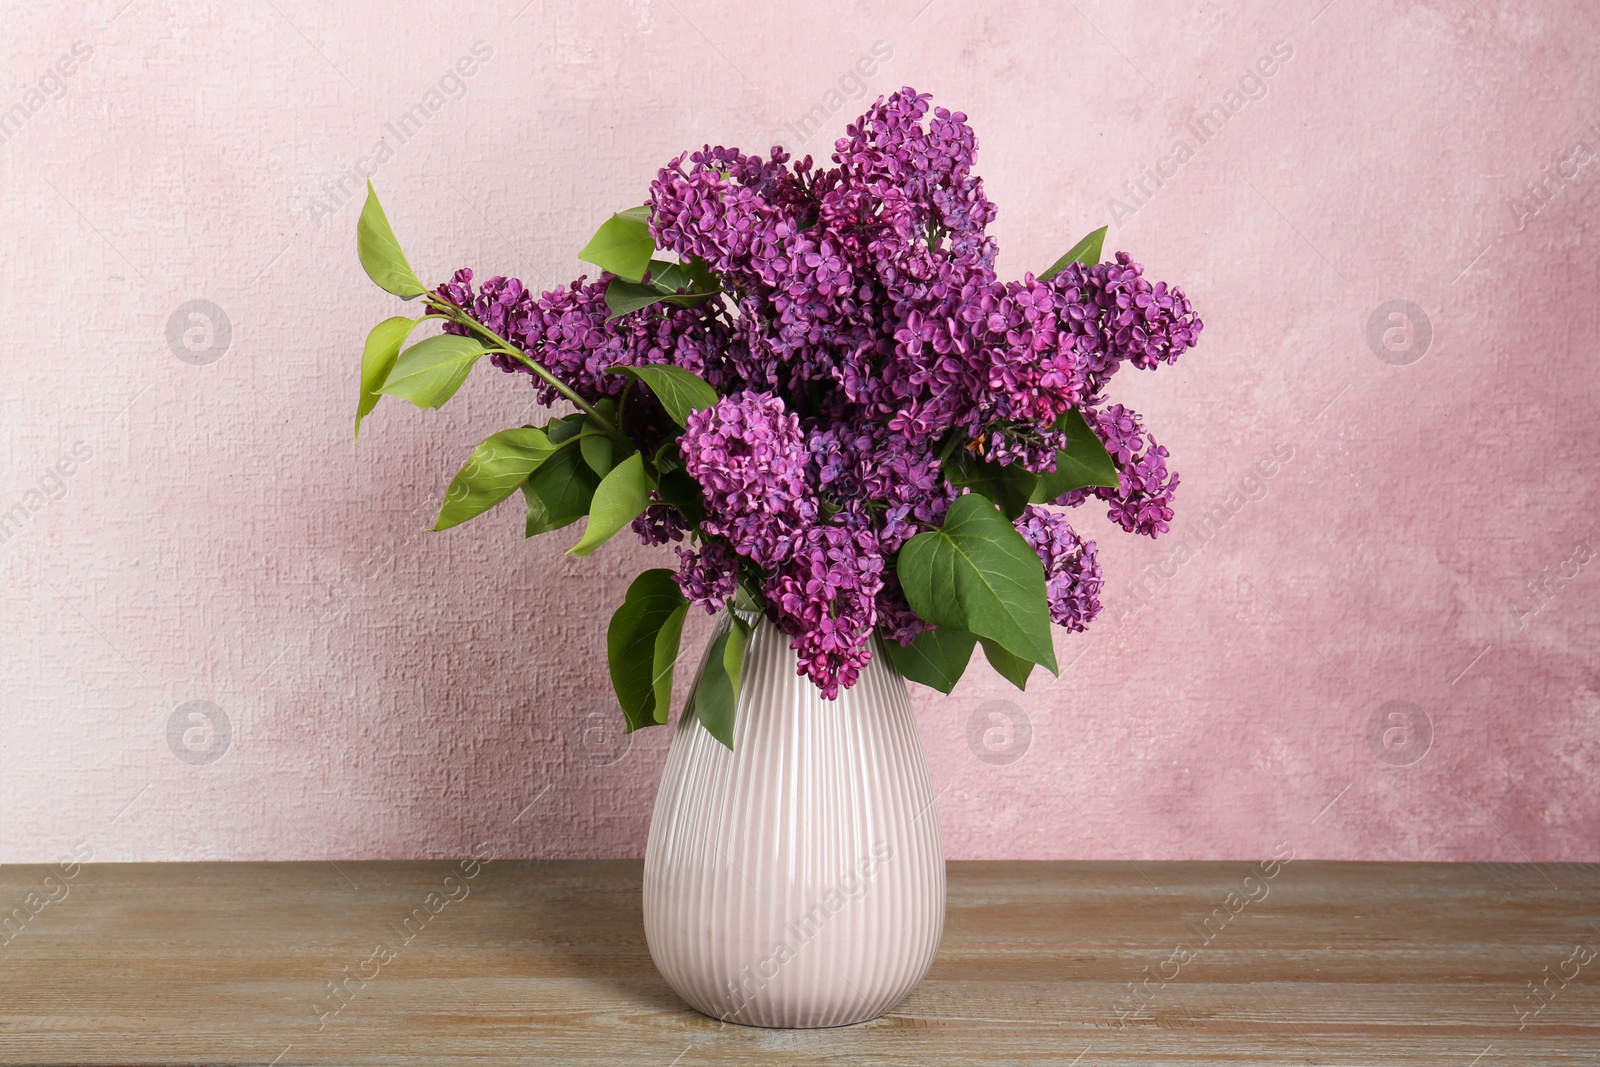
(813, 384)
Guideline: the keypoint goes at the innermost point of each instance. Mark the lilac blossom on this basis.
(570, 333)
(708, 577)
(862, 337)
(748, 454)
(1072, 577)
(825, 598)
(1142, 501)
(659, 524)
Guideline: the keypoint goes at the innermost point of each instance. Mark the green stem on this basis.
(952, 439)
(622, 402)
(459, 316)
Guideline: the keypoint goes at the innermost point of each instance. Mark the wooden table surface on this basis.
(1074, 964)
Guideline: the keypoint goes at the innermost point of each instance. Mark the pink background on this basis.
(394, 693)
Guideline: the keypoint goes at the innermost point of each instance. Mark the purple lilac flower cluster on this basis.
(1142, 501)
(1071, 572)
(863, 337)
(571, 333)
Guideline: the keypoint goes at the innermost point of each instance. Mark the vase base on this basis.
(798, 1020)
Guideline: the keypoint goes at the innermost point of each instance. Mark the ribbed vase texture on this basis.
(798, 880)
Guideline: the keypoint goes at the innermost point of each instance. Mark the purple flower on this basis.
(1142, 501)
(896, 620)
(862, 338)
(1116, 316)
(570, 333)
(1072, 578)
(748, 454)
(825, 598)
(659, 524)
(709, 577)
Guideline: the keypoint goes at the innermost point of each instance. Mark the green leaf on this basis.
(1084, 462)
(1009, 486)
(745, 605)
(632, 642)
(714, 698)
(377, 360)
(538, 520)
(559, 490)
(681, 392)
(977, 574)
(430, 371)
(936, 658)
(566, 427)
(623, 296)
(683, 493)
(1013, 669)
(687, 279)
(668, 641)
(683, 284)
(596, 449)
(733, 652)
(668, 459)
(1086, 251)
(380, 253)
(497, 466)
(622, 244)
(621, 497)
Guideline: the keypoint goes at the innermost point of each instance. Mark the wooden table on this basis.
(1080, 964)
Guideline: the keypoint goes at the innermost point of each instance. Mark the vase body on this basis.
(798, 880)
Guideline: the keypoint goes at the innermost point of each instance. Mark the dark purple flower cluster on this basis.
(1119, 317)
(863, 335)
(709, 577)
(660, 523)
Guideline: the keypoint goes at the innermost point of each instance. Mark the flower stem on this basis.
(456, 314)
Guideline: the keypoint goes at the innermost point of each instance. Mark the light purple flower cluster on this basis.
(862, 337)
(1142, 501)
(1071, 572)
(571, 333)
(748, 454)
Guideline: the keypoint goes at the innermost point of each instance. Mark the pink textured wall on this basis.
(1400, 510)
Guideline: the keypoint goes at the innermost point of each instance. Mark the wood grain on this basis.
(545, 962)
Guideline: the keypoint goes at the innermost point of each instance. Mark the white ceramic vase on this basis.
(798, 880)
